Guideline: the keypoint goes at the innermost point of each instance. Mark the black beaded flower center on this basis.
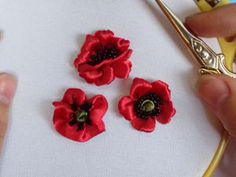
(80, 116)
(104, 53)
(148, 106)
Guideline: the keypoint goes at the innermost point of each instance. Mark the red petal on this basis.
(104, 36)
(89, 43)
(122, 57)
(81, 136)
(162, 90)
(74, 95)
(62, 114)
(139, 88)
(122, 44)
(64, 128)
(84, 67)
(126, 108)
(89, 132)
(167, 111)
(82, 58)
(107, 76)
(91, 76)
(144, 125)
(59, 104)
(122, 69)
(98, 109)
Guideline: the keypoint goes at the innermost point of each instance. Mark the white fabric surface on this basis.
(40, 41)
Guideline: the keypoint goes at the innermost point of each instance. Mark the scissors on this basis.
(211, 63)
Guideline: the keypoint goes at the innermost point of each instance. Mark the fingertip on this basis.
(201, 24)
(213, 90)
(230, 39)
(7, 91)
(8, 84)
(193, 24)
(203, 81)
(214, 23)
(219, 93)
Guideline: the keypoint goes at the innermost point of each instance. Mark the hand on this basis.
(7, 90)
(218, 92)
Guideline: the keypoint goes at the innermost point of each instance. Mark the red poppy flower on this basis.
(147, 103)
(104, 57)
(79, 118)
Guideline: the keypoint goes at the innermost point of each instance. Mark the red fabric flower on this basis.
(104, 57)
(147, 103)
(79, 118)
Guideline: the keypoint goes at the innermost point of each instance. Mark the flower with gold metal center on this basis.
(79, 118)
(146, 104)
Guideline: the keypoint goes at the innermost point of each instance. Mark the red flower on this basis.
(147, 103)
(79, 118)
(104, 57)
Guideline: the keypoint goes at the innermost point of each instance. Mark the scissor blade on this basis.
(176, 22)
(195, 44)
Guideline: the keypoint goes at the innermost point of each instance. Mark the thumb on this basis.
(219, 94)
(7, 90)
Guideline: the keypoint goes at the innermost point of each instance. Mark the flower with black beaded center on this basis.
(148, 106)
(104, 53)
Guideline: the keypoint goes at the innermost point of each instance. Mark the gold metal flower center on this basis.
(147, 106)
(81, 116)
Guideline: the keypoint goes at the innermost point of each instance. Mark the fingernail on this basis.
(7, 88)
(213, 91)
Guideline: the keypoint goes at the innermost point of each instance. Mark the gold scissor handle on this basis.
(211, 62)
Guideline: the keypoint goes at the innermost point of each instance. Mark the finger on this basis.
(230, 39)
(219, 94)
(217, 23)
(7, 90)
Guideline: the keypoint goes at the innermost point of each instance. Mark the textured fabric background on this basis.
(40, 40)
